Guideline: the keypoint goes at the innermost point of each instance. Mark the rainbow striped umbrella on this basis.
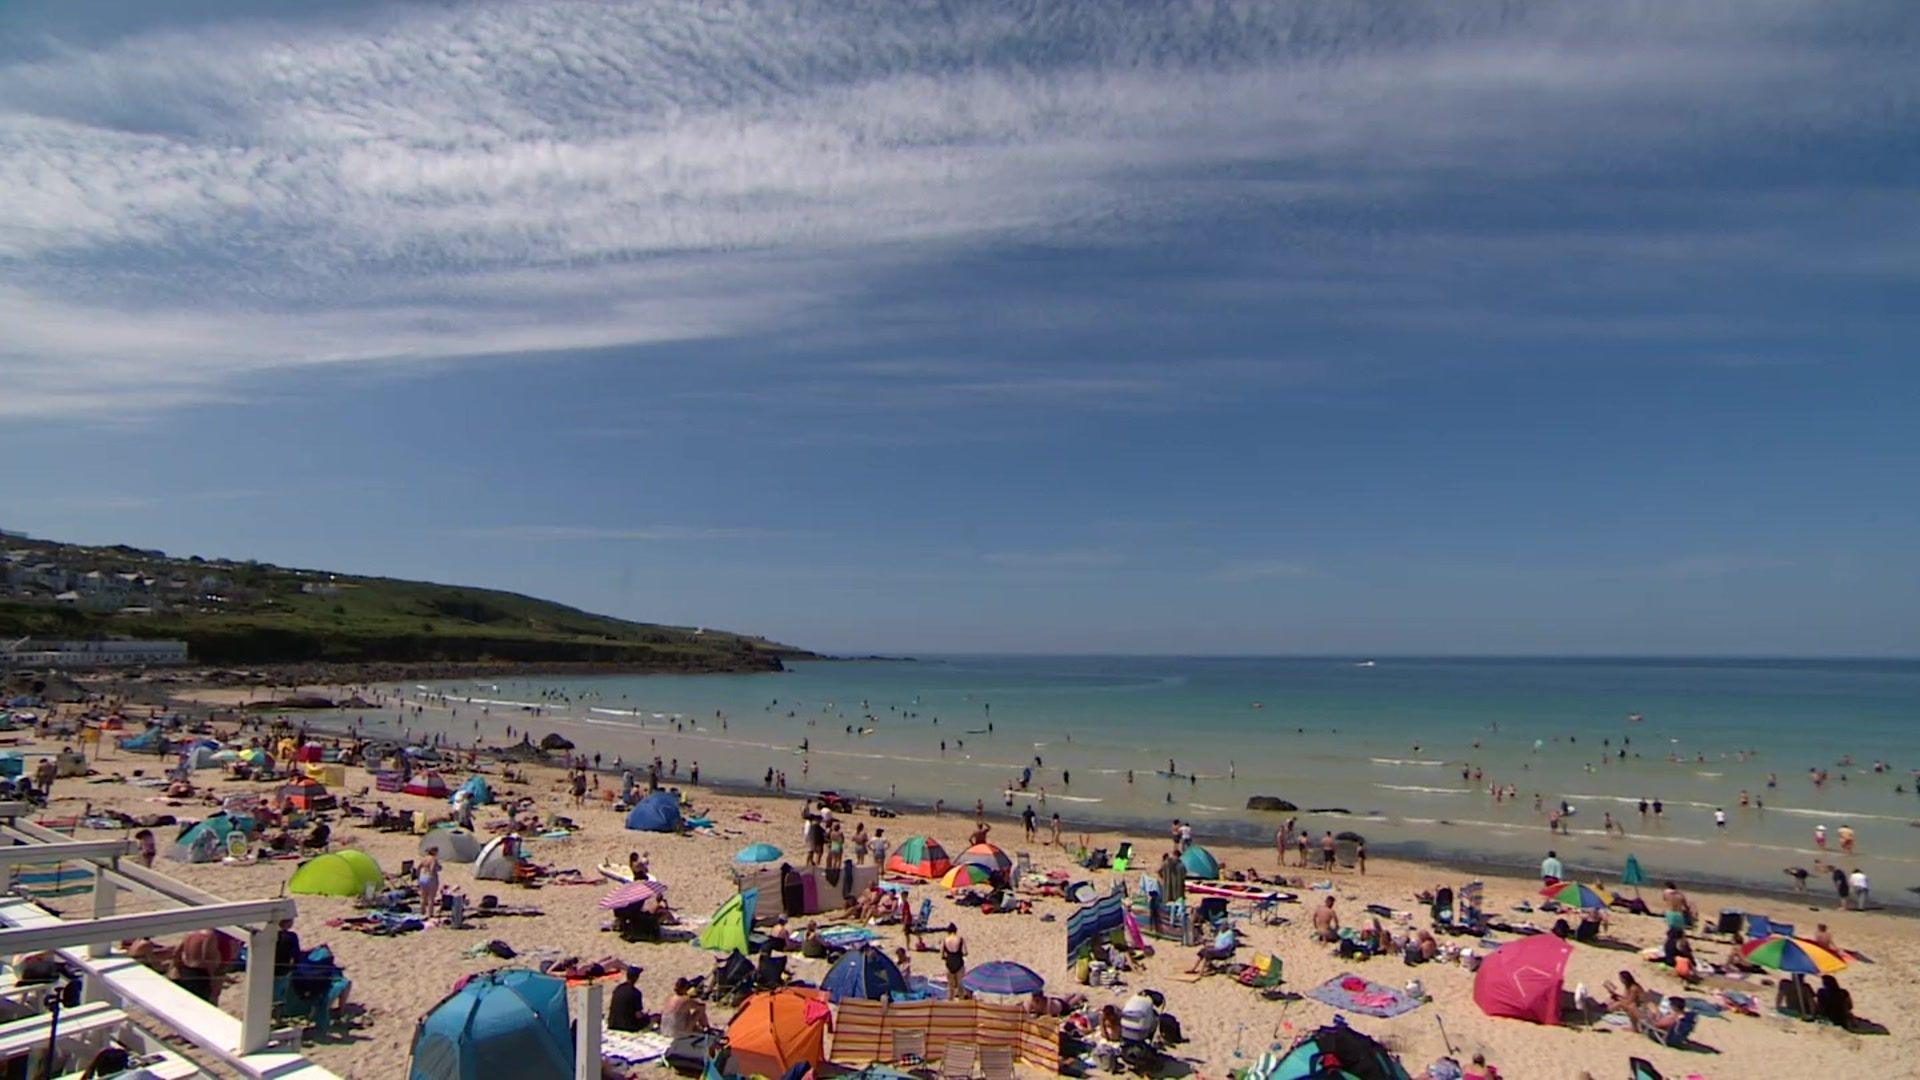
(966, 875)
(1792, 955)
(1574, 895)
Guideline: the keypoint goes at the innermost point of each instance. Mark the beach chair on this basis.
(920, 921)
(909, 1047)
(958, 1061)
(1758, 926)
(772, 972)
(996, 1062)
(1676, 1036)
(1642, 1069)
(1262, 974)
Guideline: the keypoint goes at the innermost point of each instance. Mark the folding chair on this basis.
(996, 1062)
(957, 1062)
(1263, 973)
(909, 1047)
(1677, 1035)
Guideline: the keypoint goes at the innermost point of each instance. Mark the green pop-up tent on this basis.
(338, 873)
(732, 923)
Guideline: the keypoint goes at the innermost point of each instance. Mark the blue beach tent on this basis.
(658, 812)
(864, 973)
(512, 1015)
(477, 788)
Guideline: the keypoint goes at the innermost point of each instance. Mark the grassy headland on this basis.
(252, 613)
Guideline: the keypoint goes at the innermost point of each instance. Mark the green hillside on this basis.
(255, 613)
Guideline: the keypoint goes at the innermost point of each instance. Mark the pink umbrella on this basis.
(632, 893)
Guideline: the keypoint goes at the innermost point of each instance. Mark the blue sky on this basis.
(1310, 327)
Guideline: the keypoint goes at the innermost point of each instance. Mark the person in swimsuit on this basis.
(427, 878)
(953, 953)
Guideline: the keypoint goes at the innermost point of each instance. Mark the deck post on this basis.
(586, 1029)
(256, 1025)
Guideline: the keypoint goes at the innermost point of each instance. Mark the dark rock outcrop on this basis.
(1270, 802)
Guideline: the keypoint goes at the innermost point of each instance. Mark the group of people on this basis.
(827, 843)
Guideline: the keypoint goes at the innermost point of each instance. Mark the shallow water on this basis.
(1387, 743)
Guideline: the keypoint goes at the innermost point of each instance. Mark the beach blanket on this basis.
(1239, 890)
(633, 1047)
(1355, 994)
(845, 937)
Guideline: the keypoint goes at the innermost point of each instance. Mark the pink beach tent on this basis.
(1522, 979)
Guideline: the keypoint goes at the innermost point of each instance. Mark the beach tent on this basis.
(200, 756)
(429, 783)
(1335, 1052)
(919, 857)
(1522, 979)
(207, 840)
(514, 1015)
(658, 812)
(497, 860)
(865, 972)
(453, 845)
(757, 853)
(478, 790)
(732, 922)
(339, 873)
(1200, 863)
(989, 857)
(305, 795)
(777, 1029)
(150, 741)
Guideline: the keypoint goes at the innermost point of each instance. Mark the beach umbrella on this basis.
(1002, 977)
(1631, 874)
(965, 875)
(757, 853)
(633, 892)
(1574, 895)
(1795, 956)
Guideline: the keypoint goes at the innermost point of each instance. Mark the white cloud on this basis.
(187, 209)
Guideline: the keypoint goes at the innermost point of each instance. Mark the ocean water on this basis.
(1385, 744)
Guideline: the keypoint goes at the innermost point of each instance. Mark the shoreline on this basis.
(1405, 853)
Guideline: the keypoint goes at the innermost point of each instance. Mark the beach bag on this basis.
(688, 1054)
(1170, 1030)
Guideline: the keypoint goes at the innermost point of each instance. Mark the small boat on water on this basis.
(1364, 663)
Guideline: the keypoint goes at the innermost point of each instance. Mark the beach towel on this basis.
(1355, 994)
(633, 1047)
(845, 937)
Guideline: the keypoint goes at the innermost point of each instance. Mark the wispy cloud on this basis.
(1067, 559)
(189, 208)
(645, 533)
(1262, 570)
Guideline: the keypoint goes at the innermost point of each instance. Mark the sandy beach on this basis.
(1227, 1025)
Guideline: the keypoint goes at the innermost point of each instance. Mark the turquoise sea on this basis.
(1385, 741)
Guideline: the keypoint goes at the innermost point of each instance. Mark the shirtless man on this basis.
(1326, 922)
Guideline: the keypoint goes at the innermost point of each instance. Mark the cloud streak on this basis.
(638, 534)
(190, 208)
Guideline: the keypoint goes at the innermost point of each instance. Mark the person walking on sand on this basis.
(1056, 828)
(1281, 837)
(427, 880)
(953, 954)
(1026, 818)
(1859, 883)
(1326, 851)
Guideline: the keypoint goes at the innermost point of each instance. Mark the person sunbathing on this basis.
(1628, 997)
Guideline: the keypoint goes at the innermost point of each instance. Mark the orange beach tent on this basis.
(776, 1028)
